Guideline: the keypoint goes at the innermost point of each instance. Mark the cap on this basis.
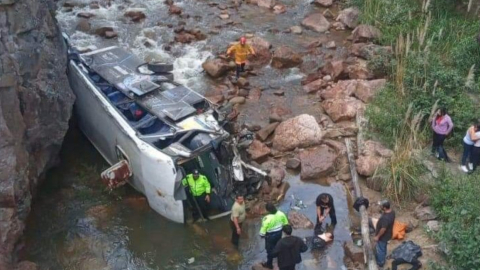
(195, 171)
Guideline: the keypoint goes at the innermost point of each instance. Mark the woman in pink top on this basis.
(442, 125)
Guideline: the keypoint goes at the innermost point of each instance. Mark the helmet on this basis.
(243, 40)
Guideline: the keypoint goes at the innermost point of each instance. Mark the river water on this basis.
(77, 224)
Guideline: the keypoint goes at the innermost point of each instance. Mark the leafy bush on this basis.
(455, 200)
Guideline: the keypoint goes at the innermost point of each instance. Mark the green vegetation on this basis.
(456, 202)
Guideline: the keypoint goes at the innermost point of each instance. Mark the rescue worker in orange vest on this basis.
(241, 52)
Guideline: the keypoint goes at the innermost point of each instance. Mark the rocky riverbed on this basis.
(300, 95)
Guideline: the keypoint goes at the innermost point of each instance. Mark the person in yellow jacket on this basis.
(271, 229)
(241, 52)
(200, 190)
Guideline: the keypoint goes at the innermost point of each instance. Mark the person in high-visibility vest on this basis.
(200, 189)
(271, 229)
(241, 51)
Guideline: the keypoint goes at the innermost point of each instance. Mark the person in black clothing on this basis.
(383, 232)
(407, 253)
(288, 250)
(325, 207)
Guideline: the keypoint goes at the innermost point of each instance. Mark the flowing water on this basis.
(77, 224)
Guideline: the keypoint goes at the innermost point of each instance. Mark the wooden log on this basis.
(368, 253)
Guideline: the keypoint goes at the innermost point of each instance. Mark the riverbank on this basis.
(435, 65)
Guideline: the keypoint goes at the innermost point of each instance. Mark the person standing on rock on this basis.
(383, 232)
(271, 230)
(241, 52)
(325, 207)
(236, 219)
(442, 125)
(289, 249)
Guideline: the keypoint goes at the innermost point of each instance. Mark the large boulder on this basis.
(372, 156)
(262, 51)
(364, 33)
(300, 131)
(285, 57)
(342, 109)
(349, 17)
(317, 162)
(276, 175)
(366, 90)
(299, 220)
(341, 89)
(216, 67)
(316, 22)
(35, 107)
(258, 150)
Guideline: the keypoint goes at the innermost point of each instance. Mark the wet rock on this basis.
(300, 131)
(317, 162)
(139, 203)
(94, 5)
(242, 82)
(85, 15)
(266, 3)
(366, 90)
(373, 155)
(216, 67)
(331, 45)
(102, 30)
(100, 212)
(342, 89)
(342, 109)
(265, 189)
(277, 175)
(433, 226)
(364, 33)
(258, 150)
(263, 133)
(279, 9)
(237, 100)
(334, 68)
(279, 93)
(278, 193)
(185, 38)
(135, 14)
(425, 213)
(224, 16)
(175, 10)
(275, 118)
(262, 50)
(354, 252)
(314, 86)
(299, 220)
(316, 22)
(255, 94)
(110, 34)
(286, 57)
(296, 29)
(324, 3)
(358, 69)
(293, 163)
(349, 17)
(83, 26)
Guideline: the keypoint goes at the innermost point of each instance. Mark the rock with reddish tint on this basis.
(266, 3)
(263, 133)
(324, 3)
(258, 150)
(83, 26)
(173, 9)
(293, 163)
(336, 132)
(254, 94)
(300, 131)
(279, 93)
(338, 26)
(358, 69)
(372, 156)
(262, 51)
(316, 22)
(299, 220)
(217, 99)
(110, 34)
(342, 109)
(280, 110)
(286, 57)
(26, 265)
(366, 90)
(363, 33)
(312, 77)
(331, 45)
(135, 14)
(317, 162)
(85, 15)
(349, 17)
(369, 51)
(314, 86)
(274, 118)
(102, 30)
(237, 100)
(341, 89)
(279, 9)
(185, 38)
(216, 67)
(334, 68)
(277, 175)
(242, 82)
